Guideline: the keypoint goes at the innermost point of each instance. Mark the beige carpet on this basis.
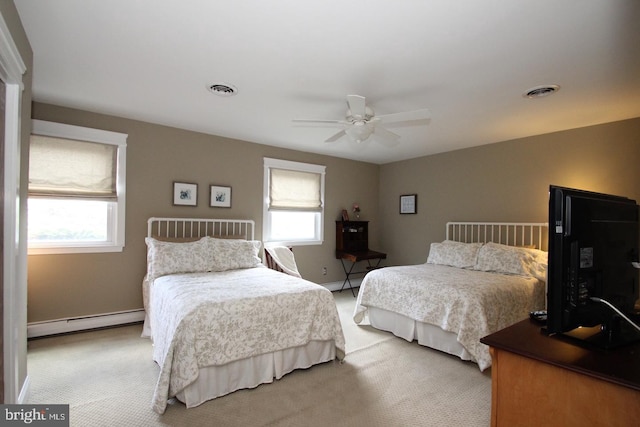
(108, 378)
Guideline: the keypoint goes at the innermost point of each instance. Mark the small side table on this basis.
(354, 257)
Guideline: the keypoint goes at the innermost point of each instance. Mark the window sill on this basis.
(292, 242)
(73, 250)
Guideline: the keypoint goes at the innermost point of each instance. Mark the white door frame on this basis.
(15, 254)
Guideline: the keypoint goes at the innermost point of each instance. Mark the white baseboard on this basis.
(335, 286)
(61, 326)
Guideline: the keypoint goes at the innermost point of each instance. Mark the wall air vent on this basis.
(541, 91)
(223, 89)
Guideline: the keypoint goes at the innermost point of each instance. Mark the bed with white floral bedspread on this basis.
(465, 291)
(221, 321)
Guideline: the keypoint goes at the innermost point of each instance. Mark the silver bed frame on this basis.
(200, 227)
(534, 234)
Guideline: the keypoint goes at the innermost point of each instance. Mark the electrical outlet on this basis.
(324, 271)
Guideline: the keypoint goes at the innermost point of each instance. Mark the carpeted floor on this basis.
(108, 378)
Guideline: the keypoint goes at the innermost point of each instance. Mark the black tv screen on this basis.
(592, 283)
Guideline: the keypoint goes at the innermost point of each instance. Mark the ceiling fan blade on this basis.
(386, 137)
(317, 121)
(336, 137)
(406, 116)
(357, 105)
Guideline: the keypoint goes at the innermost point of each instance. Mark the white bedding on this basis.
(212, 319)
(468, 303)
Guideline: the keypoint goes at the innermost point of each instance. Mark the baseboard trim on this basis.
(336, 286)
(75, 324)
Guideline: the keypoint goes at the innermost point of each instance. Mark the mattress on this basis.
(204, 320)
(469, 304)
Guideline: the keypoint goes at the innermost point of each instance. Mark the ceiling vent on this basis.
(223, 89)
(541, 91)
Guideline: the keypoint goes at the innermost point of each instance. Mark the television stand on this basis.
(541, 380)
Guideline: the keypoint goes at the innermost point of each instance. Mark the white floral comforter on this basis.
(468, 303)
(205, 319)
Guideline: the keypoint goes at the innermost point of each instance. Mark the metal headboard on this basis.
(533, 234)
(200, 227)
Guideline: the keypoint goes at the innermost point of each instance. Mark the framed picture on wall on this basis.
(220, 196)
(409, 204)
(185, 194)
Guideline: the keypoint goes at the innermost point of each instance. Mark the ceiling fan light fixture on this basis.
(223, 89)
(541, 91)
(359, 131)
(368, 115)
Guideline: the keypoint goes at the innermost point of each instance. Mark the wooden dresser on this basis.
(548, 381)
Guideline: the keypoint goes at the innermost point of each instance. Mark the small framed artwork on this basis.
(409, 203)
(185, 194)
(220, 197)
(345, 215)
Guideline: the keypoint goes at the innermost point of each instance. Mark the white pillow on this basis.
(234, 254)
(498, 258)
(454, 254)
(172, 257)
(540, 256)
(538, 267)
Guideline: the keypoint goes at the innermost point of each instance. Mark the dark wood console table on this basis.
(355, 257)
(352, 244)
(540, 380)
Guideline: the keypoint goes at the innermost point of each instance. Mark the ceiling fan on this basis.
(361, 122)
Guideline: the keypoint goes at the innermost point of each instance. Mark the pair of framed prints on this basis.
(186, 194)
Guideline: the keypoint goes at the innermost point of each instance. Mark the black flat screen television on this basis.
(593, 270)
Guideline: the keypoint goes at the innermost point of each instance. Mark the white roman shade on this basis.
(295, 190)
(61, 167)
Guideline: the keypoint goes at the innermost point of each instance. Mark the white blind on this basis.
(69, 168)
(294, 190)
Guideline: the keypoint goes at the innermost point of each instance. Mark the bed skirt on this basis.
(216, 381)
(426, 334)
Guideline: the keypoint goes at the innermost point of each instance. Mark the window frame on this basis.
(266, 216)
(115, 210)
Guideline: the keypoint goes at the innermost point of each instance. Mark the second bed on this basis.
(482, 278)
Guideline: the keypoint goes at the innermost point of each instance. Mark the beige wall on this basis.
(507, 181)
(72, 285)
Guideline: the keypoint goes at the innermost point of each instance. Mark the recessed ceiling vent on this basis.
(541, 91)
(223, 89)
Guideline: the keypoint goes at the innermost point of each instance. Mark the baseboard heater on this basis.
(75, 324)
(335, 286)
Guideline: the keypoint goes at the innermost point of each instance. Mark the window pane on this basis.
(293, 226)
(68, 221)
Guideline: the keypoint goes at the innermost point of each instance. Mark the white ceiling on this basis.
(467, 61)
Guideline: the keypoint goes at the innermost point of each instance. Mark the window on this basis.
(293, 202)
(76, 189)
